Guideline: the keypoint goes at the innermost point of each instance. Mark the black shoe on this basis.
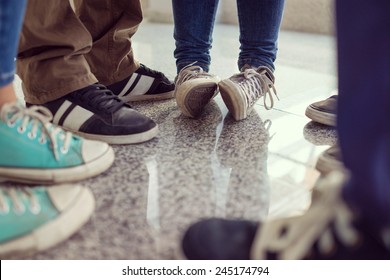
(328, 230)
(95, 113)
(324, 111)
(144, 84)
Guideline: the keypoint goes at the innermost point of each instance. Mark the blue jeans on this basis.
(11, 18)
(259, 22)
(364, 105)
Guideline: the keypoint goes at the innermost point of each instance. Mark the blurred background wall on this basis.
(313, 16)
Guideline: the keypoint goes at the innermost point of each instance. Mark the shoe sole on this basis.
(149, 97)
(320, 117)
(52, 233)
(59, 175)
(234, 101)
(192, 99)
(326, 165)
(120, 139)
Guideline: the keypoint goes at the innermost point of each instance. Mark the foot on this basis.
(330, 160)
(194, 90)
(35, 219)
(35, 151)
(324, 111)
(329, 230)
(241, 91)
(94, 112)
(144, 84)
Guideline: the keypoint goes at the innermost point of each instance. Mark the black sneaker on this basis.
(324, 111)
(94, 112)
(328, 230)
(144, 84)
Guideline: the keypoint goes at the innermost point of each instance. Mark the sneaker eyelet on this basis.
(4, 210)
(10, 124)
(64, 150)
(42, 141)
(35, 209)
(19, 209)
(21, 130)
(31, 135)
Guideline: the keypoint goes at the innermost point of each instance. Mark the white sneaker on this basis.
(241, 91)
(194, 89)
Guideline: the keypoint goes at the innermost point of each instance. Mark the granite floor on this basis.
(258, 168)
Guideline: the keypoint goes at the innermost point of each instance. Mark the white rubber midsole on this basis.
(59, 175)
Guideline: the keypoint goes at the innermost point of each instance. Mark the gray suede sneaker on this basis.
(194, 90)
(241, 91)
(324, 111)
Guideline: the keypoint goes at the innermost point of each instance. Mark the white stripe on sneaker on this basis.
(76, 118)
(61, 111)
(142, 86)
(128, 85)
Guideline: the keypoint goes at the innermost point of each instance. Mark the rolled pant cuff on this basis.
(39, 97)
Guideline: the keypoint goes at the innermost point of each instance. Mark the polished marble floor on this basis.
(259, 168)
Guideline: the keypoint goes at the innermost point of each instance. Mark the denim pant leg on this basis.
(194, 23)
(364, 105)
(259, 29)
(11, 18)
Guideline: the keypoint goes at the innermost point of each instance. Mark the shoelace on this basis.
(38, 116)
(190, 72)
(253, 83)
(98, 96)
(16, 195)
(293, 238)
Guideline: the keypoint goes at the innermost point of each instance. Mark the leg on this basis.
(365, 138)
(11, 18)
(194, 23)
(56, 74)
(259, 29)
(111, 25)
(51, 60)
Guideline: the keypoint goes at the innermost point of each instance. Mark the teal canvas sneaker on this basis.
(32, 150)
(35, 219)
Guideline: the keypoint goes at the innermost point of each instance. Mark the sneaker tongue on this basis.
(101, 97)
(267, 72)
(247, 66)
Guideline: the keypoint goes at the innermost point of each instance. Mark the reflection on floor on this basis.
(212, 166)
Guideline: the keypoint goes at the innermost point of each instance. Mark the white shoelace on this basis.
(292, 238)
(253, 83)
(17, 195)
(190, 72)
(36, 115)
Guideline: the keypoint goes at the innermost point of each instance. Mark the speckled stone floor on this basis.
(213, 166)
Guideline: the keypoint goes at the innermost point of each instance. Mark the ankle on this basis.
(7, 94)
